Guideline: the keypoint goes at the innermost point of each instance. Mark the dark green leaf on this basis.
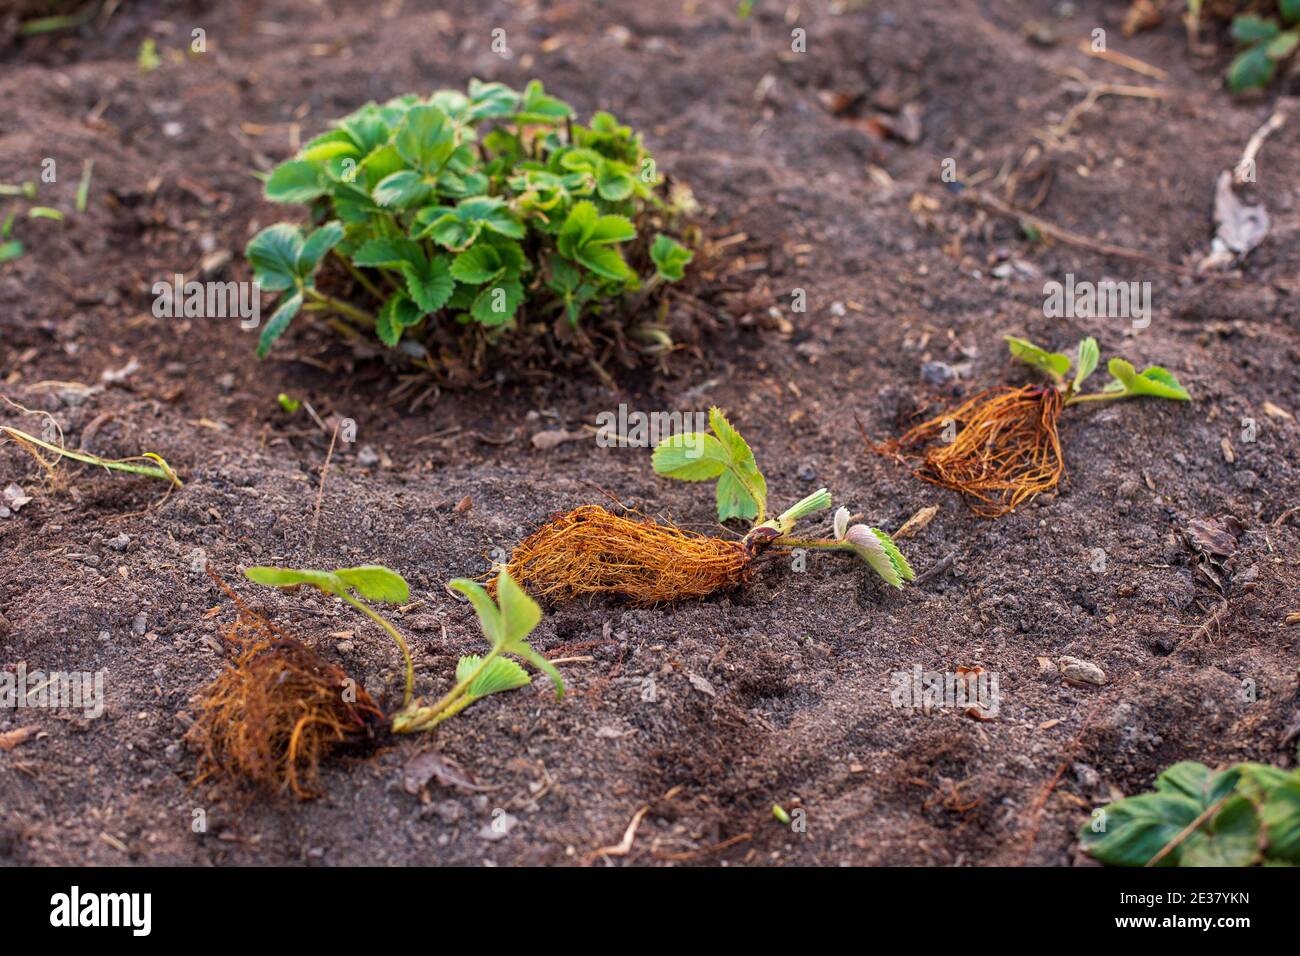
(297, 181)
(274, 253)
(1251, 70)
(285, 310)
(317, 245)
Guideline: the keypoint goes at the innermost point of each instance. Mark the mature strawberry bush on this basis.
(491, 209)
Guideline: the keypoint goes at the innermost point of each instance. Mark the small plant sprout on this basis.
(742, 493)
(1006, 448)
(591, 550)
(373, 582)
(271, 716)
(505, 623)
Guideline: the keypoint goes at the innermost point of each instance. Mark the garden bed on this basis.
(708, 712)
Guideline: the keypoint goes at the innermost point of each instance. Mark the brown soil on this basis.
(778, 692)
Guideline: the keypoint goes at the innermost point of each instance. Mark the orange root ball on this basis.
(590, 551)
(1004, 451)
(276, 711)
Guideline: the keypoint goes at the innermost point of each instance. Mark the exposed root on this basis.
(276, 711)
(591, 551)
(1005, 449)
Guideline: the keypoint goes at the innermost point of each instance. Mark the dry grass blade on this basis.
(591, 551)
(1005, 451)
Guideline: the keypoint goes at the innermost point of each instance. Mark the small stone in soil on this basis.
(1085, 672)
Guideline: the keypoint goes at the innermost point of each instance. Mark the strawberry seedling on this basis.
(591, 550)
(270, 717)
(491, 210)
(1001, 448)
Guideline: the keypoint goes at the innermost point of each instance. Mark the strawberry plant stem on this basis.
(1093, 397)
(341, 307)
(356, 274)
(401, 643)
(825, 544)
(415, 719)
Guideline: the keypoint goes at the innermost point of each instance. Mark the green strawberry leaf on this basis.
(275, 327)
(670, 258)
(274, 254)
(1054, 364)
(297, 181)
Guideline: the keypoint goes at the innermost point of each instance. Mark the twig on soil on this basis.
(1096, 92)
(992, 204)
(1211, 623)
(943, 564)
(1188, 830)
(1253, 145)
(689, 855)
(624, 846)
(1040, 803)
(1124, 60)
(320, 492)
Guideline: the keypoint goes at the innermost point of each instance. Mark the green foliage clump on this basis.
(1245, 815)
(479, 209)
(1265, 43)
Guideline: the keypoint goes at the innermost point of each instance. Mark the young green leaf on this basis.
(742, 490)
(507, 625)
(376, 583)
(1054, 364)
(292, 577)
(278, 323)
(1250, 28)
(1086, 362)
(317, 245)
(697, 456)
(670, 258)
(274, 254)
(819, 500)
(1252, 69)
(691, 456)
(501, 674)
(874, 547)
(489, 615)
(426, 138)
(1153, 380)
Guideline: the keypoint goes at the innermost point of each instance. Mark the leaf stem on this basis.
(1093, 397)
(825, 544)
(357, 274)
(414, 719)
(343, 308)
(401, 643)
